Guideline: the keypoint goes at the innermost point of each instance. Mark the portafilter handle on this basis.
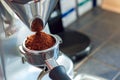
(56, 72)
(59, 73)
(46, 58)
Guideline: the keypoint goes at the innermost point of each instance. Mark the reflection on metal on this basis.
(88, 77)
(9, 20)
(29, 10)
(43, 73)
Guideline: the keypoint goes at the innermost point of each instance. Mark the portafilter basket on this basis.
(46, 59)
(38, 57)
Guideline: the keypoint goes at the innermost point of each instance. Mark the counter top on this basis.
(103, 27)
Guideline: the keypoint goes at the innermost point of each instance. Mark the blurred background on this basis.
(93, 27)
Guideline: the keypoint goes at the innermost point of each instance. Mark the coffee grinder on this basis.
(27, 11)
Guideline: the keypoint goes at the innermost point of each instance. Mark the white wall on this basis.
(99, 2)
(84, 8)
(67, 5)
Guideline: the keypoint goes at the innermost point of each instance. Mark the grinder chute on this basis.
(28, 10)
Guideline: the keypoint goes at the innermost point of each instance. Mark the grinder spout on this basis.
(28, 10)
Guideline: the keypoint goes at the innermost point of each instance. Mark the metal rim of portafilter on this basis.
(46, 59)
(41, 58)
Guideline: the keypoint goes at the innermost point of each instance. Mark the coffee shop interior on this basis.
(90, 34)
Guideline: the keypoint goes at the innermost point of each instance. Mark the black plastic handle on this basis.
(58, 73)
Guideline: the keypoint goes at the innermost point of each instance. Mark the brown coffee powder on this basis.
(39, 41)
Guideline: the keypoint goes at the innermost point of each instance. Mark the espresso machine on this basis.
(16, 17)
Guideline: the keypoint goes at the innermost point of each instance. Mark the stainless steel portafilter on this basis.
(46, 59)
(39, 58)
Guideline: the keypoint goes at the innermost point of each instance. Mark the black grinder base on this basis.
(75, 44)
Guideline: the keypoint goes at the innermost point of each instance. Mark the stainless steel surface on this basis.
(28, 10)
(51, 63)
(2, 65)
(88, 77)
(10, 55)
(37, 58)
(42, 74)
(10, 38)
(12, 33)
(66, 62)
(2, 69)
(28, 72)
(10, 25)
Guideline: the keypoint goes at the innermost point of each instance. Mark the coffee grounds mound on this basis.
(39, 41)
